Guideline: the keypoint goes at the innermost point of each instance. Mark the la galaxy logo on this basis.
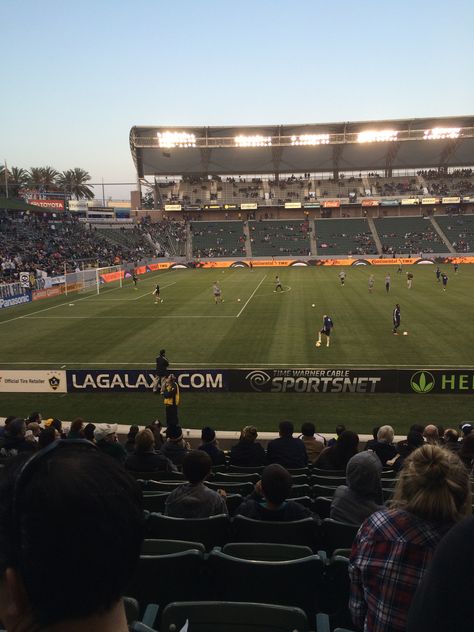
(54, 382)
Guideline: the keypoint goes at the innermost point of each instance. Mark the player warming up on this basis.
(438, 274)
(387, 283)
(326, 330)
(135, 280)
(396, 319)
(409, 280)
(156, 294)
(278, 285)
(444, 280)
(342, 277)
(216, 290)
(371, 283)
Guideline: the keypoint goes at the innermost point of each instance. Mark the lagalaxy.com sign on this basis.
(135, 380)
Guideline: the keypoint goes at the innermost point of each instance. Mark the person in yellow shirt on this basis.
(171, 400)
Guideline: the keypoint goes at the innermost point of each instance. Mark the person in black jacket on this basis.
(209, 444)
(144, 458)
(247, 452)
(287, 450)
(269, 501)
(162, 365)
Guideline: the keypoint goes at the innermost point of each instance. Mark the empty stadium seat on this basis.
(297, 583)
(165, 547)
(322, 506)
(244, 489)
(331, 481)
(246, 470)
(235, 477)
(305, 532)
(213, 531)
(155, 501)
(337, 535)
(266, 552)
(323, 490)
(213, 616)
(299, 490)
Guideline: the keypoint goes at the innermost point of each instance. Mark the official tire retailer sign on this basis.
(33, 382)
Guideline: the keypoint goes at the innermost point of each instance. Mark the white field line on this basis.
(127, 300)
(244, 367)
(251, 296)
(124, 317)
(46, 309)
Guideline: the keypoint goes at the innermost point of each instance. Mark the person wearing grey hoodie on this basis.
(362, 495)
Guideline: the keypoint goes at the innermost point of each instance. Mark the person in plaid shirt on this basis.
(394, 546)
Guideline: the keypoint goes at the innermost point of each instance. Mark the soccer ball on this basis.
(313, 305)
(318, 344)
(71, 304)
(238, 300)
(405, 333)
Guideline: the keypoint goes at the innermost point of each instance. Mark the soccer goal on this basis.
(97, 279)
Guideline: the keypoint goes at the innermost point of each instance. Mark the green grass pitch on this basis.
(253, 327)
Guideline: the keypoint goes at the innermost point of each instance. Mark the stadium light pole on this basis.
(6, 179)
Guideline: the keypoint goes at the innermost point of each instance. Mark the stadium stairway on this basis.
(375, 235)
(248, 244)
(446, 241)
(312, 238)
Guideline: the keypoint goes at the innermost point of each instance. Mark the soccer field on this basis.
(254, 327)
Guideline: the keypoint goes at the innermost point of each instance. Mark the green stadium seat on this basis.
(337, 535)
(163, 486)
(322, 506)
(299, 490)
(161, 579)
(213, 616)
(213, 531)
(165, 547)
(155, 501)
(306, 501)
(297, 583)
(323, 624)
(331, 481)
(323, 490)
(305, 532)
(338, 473)
(244, 489)
(264, 551)
(237, 477)
(246, 470)
(233, 502)
(338, 589)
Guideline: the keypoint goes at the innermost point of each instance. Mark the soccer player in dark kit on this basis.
(396, 319)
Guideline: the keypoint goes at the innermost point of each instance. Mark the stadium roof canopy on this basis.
(330, 147)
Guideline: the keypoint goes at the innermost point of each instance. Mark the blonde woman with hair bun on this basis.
(394, 546)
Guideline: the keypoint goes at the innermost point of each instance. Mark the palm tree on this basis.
(18, 179)
(79, 188)
(64, 182)
(3, 192)
(35, 178)
(49, 175)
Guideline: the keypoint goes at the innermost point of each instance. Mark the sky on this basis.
(76, 76)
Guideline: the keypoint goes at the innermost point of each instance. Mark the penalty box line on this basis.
(251, 296)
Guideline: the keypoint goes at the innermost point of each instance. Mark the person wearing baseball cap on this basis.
(106, 439)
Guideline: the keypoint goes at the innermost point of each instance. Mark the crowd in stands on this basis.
(405, 501)
(218, 239)
(41, 241)
(168, 235)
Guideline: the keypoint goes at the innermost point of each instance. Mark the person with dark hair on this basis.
(338, 455)
(417, 428)
(394, 546)
(156, 426)
(144, 458)
(287, 450)
(105, 436)
(210, 445)
(88, 432)
(75, 430)
(466, 451)
(269, 501)
(314, 445)
(34, 417)
(465, 428)
(247, 452)
(47, 436)
(175, 447)
(6, 423)
(362, 495)
(339, 430)
(87, 498)
(413, 441)
(14, 441)
(194, 499)
(131, 436)
(162, 365)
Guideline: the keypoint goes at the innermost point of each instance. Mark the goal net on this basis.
(99, 279)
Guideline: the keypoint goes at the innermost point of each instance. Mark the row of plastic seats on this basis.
(220, 530)
(264, 573)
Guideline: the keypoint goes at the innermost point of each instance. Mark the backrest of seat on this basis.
(306, 501)
(244, 489)
(233, 502)
(155, 501)
(321, 472)
(266, 552)
(305, 532)
(299, 490)
(246, 470)
(213, 531)
(322, 506)
(165, 547)
(328, 481)
(338, 589)
(323, 490)
(221, 616)
(338, 535)
(298, 583)
(235, 477)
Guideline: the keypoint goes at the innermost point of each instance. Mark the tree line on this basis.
(72, 182)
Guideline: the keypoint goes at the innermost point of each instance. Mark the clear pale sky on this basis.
(76, 76)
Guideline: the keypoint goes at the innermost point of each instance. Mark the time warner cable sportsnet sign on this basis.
(420, 382)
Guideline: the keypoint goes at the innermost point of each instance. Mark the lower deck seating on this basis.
(279, 238)
(344, 237)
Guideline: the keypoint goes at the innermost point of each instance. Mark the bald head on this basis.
(431, 434)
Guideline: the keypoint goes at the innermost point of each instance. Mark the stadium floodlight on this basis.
(381, 136)
(169, 140)
(253, 141)
(438, 133)
(310, 139)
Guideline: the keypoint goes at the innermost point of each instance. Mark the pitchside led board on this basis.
(317, 381)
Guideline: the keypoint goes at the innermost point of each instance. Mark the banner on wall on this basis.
(332, 204)
(248, 206)
(370, 202)
(292, 204)
(430, 200)
(33, 382)
(451, 200)
(173, 207)
(410, 201)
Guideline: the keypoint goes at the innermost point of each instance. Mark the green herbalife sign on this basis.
(422, 382)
